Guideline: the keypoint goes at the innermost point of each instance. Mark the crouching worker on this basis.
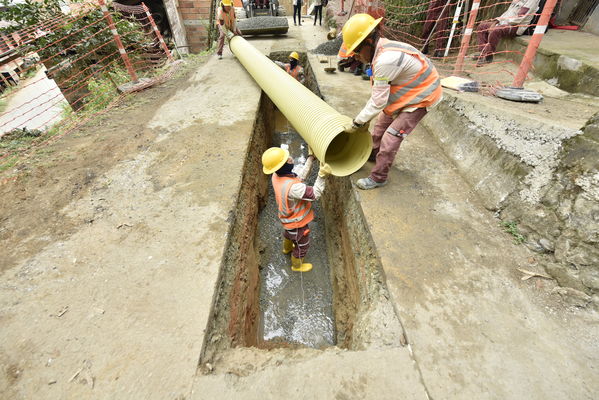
(294, 199)
(293, 68)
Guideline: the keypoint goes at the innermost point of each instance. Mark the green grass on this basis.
(511, 227)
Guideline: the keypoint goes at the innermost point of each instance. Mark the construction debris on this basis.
(530, 274)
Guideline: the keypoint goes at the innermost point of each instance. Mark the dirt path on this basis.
(112, 240)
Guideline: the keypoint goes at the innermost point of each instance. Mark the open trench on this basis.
(259, 302)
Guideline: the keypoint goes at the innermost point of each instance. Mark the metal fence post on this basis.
(459, 62)
(533, 45)
(157, 32)
(117, 40)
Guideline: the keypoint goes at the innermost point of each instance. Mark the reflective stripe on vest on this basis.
(422, 91)
(343, 53)
(297, 214)
(293, 72)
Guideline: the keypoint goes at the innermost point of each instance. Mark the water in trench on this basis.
(295, 307)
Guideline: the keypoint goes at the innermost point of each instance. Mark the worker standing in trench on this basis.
(227, 24)
(294, 200)
(404, 83)
(293, 68)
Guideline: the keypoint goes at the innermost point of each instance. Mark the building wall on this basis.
(195, 15)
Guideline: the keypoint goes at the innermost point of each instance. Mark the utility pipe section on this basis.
(320, 125)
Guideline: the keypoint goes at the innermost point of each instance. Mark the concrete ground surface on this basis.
(35, 104)
(107, 284)
(578, 45)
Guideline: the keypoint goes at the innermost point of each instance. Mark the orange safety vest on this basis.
(423, 90)
(343, 53)
(295, 72)
(295, 213)
(228, 18)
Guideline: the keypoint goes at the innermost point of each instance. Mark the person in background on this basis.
(404, 83)
(346, 59)
(437, 12)
(513, 22)
(318, 11)
(293, 68)
(226, 22)
(297, 9)
(294, 200)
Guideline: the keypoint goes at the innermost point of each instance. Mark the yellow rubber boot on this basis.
(287, 246)
(298, 266)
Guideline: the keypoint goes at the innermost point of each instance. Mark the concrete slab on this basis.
(570, 59)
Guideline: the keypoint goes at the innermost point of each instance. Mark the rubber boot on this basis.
(287, 246)
(298, 266)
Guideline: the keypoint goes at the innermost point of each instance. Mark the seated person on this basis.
(347, 60)
(511, 23)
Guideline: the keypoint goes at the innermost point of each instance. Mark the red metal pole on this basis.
(459, 62)
(533, 45)
(117, 40)
(157, 32)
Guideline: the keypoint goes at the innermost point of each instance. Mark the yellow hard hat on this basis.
(227, 2)
(357, 28)
(294, 54)
(273, 159)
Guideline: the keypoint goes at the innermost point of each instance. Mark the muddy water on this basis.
(295, 307)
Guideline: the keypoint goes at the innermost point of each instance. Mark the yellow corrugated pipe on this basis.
(320, 125)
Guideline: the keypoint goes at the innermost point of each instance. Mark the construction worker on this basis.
(294, 199)
(293, 68)
(226, 22)
(345, 59)
(511, 23)
(404, 83)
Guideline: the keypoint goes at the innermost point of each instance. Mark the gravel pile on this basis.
(257, 25)
(329, 48)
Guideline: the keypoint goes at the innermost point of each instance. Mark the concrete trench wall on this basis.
(361, 299)
(543, 177)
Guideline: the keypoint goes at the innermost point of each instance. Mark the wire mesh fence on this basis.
(461, 37)
(71, 68)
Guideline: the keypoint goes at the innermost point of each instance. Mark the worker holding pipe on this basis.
(404, 83)
(226, 23)
(294, 199)
(293, 68)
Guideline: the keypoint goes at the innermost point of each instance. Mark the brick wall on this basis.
(196, 18)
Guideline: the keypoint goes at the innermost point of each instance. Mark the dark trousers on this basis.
(489, 35)
(301, 239)
(435, 7)
(297, 9)
(318, 13)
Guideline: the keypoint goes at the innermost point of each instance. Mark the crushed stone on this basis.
(329, 48)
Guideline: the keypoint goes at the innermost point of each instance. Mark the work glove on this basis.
(229, 34)
(325, 169)
(353, 127)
